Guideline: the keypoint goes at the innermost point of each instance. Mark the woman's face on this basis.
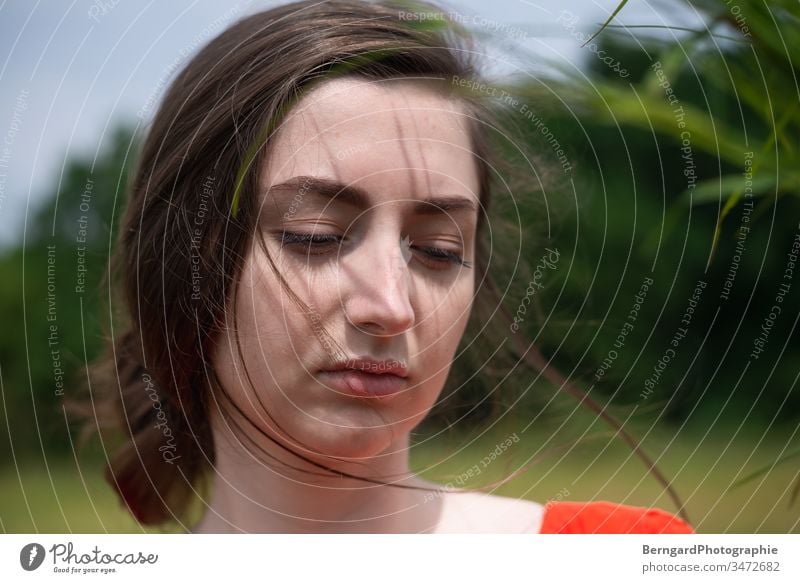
(382, 174)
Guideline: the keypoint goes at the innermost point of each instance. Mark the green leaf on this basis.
(725, 187)
(607, 22)
(765, 469)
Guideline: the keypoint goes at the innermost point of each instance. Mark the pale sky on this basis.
(70, 71)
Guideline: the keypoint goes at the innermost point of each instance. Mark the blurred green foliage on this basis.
(661, 157)
(52, 299)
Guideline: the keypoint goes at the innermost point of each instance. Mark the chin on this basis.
(346, 436)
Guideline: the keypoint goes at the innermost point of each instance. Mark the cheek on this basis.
(441, 332)
(445, 315)
(267, 313)
(439, 336)
(263, 331)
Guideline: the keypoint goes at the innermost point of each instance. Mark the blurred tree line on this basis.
(52, 298)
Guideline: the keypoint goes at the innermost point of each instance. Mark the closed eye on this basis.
(437, 253)
(316, 244)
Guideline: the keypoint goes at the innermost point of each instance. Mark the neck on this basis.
(286, 494)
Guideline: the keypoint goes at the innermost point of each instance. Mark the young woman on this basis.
(306, 241)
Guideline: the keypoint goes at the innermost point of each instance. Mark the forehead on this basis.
(397, 139)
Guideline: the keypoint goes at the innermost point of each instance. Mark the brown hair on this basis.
(192, 211)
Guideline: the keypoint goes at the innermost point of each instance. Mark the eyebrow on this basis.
(358, 197)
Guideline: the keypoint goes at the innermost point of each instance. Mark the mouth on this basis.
(364, 384)
(367, 377)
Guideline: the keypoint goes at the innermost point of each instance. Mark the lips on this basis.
(358, 383)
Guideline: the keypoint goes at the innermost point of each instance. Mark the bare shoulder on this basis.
(477, 512)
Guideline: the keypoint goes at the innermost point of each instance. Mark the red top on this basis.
(604, 517)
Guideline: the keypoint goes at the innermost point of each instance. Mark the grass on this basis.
(62, 498)
(701, 470)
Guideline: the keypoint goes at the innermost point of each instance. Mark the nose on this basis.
(379, 283)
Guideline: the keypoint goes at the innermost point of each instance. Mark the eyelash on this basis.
(437, 254)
